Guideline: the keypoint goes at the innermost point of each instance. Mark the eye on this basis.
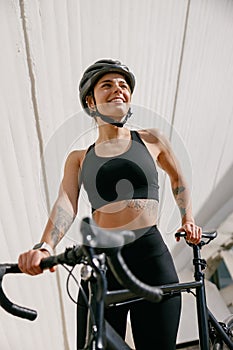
(106, 85)
(124, 86)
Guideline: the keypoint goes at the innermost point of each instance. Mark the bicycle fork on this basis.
(202, 314)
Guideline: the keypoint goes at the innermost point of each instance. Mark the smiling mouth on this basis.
(117, 100)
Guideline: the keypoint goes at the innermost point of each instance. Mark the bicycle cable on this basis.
(92, 316)
(70, 274)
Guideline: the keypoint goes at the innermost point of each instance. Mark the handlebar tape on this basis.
(71, 256)
(16, 310)
(7, 305)
(209, 235)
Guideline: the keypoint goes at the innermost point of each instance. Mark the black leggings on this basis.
(154, 325)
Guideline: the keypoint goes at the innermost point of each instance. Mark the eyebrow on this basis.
(111, 80)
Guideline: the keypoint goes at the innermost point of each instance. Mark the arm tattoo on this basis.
(62, 223)
(182, 211)
(180, 199)
(178, 190)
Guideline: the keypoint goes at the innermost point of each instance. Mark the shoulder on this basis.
(155, 136)
(75, 158)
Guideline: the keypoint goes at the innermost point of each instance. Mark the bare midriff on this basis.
(127, 214)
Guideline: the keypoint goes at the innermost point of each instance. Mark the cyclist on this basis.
(119, 174)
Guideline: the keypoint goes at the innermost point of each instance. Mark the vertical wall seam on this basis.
(34, 101)
(226, 138)
(176, 93)
(41, 148)
(179, 68)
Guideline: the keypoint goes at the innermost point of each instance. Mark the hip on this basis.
(149, 258)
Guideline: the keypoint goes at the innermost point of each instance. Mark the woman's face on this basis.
(112, 95)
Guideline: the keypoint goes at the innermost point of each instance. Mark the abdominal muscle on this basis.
(127, 214)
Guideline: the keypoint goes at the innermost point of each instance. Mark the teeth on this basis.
(117, 100)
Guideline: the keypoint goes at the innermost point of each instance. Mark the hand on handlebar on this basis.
(29, 262)
(193, 232)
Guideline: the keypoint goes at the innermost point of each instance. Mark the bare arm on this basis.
(60, 220)
(61, 217)
(169, 163)
(65, 207)
(179, 185)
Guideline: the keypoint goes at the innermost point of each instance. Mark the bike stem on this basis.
(202, 314)
(97, 292)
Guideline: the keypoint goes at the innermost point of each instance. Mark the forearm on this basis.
(60, 220)
(183, 199)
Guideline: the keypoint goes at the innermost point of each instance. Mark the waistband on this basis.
(145, 231)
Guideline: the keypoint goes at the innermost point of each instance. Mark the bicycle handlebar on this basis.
(109, 242)
(206, 235)
(102, 240)
(6, 304)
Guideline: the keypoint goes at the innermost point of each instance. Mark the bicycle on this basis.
(212, 334)
(92, 254)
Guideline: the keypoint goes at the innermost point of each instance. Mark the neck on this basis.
(110, 132)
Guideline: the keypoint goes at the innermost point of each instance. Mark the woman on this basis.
(120, 177)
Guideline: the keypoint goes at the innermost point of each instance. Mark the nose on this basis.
(117, 87)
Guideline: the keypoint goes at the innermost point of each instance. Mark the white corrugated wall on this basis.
(181, 53)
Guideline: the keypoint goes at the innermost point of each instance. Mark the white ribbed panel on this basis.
(181, 53)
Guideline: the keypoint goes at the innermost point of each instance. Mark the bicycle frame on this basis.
(100, 335)
(88, 252)
(203, 313)
(100, 297)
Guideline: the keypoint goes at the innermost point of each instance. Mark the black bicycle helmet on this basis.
(93, 73)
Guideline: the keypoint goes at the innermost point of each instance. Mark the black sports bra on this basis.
(131, 175)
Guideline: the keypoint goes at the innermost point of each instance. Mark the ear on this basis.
(90, 102)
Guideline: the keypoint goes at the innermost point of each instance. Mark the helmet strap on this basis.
(110, 120)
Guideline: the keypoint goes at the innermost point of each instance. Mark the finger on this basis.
(195, 235)
(189, 232)
(35, 263)
(53, 269)
(21, 263)
(191, 235)
(179, 230)
(28, 263)
(31, 263)
(199, 234)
